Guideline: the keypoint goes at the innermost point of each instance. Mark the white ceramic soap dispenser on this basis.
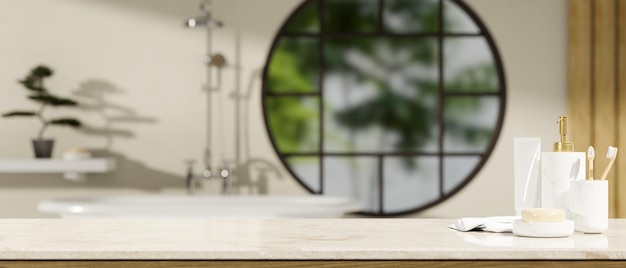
(558, 168)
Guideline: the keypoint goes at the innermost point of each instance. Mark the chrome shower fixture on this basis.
(218, 60)
(205, 19)
(214, 62)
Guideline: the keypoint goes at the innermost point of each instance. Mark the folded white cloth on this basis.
(500, 224)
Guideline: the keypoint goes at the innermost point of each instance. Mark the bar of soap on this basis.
(542, 215)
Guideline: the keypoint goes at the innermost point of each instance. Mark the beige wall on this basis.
(149, 70)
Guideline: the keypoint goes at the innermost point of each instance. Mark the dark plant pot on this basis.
(43, 148)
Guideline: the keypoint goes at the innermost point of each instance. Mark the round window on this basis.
(395, 103)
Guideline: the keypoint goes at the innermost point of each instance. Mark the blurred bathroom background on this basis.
(138, 74)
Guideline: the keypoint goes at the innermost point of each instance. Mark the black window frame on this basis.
(440, 34)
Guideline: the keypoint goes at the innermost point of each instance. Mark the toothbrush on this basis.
(591, 154)
(611, 154)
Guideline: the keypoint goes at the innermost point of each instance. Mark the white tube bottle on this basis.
(527, 170)
(558, 168)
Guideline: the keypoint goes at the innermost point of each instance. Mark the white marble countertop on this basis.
(289, 239)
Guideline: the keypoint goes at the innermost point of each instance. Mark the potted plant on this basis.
(34, 83)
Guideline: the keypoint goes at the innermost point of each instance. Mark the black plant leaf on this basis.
(41, 71)
(66, 122)
(52, 100)
(30, 82)
(19, 113)
(34, 82)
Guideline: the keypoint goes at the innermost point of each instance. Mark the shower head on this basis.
(218, 60)
(203, 21)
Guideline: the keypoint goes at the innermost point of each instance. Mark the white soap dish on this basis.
(564, 228)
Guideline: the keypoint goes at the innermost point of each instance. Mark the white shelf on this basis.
(72, 169)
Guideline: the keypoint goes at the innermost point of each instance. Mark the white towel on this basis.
(501, 224)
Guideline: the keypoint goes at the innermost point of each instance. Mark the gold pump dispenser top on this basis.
(563, 145)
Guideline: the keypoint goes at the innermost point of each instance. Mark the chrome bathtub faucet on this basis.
(192, 179)
(226, 183)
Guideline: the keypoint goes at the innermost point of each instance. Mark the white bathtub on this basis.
(183, 206)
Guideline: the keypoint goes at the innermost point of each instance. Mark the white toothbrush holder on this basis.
(589, 205)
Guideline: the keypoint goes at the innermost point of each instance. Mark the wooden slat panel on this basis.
(579, 72)
(621, 83)
(604, 110)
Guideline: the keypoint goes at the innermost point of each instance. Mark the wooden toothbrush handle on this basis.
(607, 169)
